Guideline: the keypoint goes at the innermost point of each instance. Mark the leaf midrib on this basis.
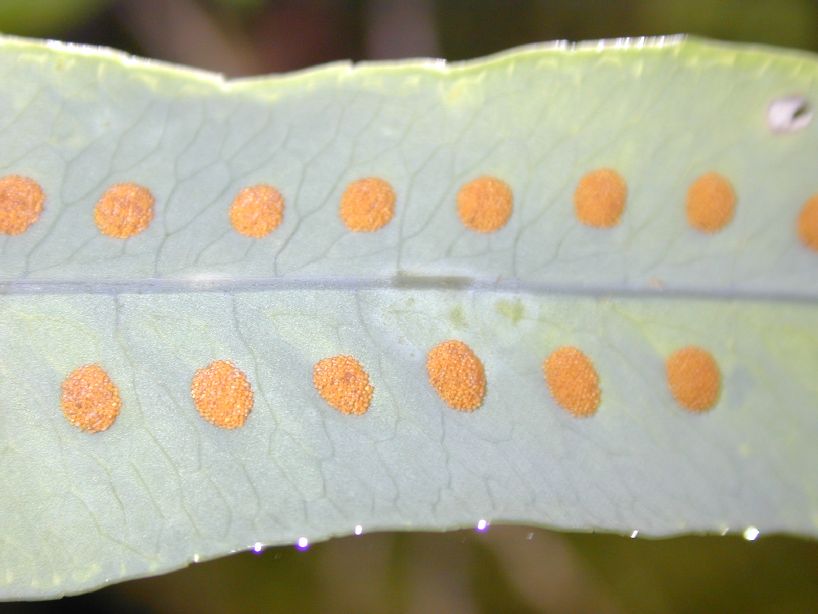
(398, 282)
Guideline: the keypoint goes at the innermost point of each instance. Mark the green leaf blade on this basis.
(162, 487)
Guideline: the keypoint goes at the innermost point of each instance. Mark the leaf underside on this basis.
(162, 487)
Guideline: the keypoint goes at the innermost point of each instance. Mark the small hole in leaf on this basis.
(789, 114)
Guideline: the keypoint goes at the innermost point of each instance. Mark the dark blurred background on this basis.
(245, 37)
(506, 569)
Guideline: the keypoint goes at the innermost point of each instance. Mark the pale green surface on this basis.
(162, 487)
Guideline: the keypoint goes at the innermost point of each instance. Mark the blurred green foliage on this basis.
(507, 569)
(281, 35)
(468, 28)
(46, 18)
